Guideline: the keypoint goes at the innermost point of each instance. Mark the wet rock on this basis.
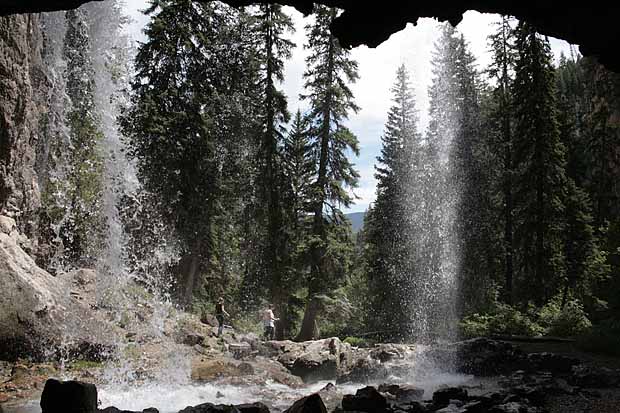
(7, 224)
(192, 338)
(270, 369)
(511, 407)
(319, 361)
(367, 399)
(37, 311)
(210, 408)
(551, 362)
(240, 350)
(113, 409)
(252, 339)
(600, 377)
(309, 404)
(479, 356)
(442, 397)
(68, 397)
(209, 319)
(364, 371)
(451, 408)
(219, 395)
(386, 352)
(246, 368)
(224, 408)
(252, 408)
(208, 369)
(414, 407)
(331, 396)
(402, 393)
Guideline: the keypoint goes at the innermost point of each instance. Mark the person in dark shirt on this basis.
(220, 312)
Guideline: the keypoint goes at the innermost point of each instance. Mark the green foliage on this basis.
(504, 320)
(359, 342)
(602, 339)
(570, 320)
(552, 320)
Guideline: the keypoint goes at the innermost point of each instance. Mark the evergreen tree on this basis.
(82, 228)
(271, 24)
(299, 170)
(502, 71)
(585, 262)
(390, 227)
(539, 168)
(329, 70)
(191, 115)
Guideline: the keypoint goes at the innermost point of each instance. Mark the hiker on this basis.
(220, 312)
(268, 322)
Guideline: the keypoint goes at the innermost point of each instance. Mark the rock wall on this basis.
(23, 86)
(42, 316)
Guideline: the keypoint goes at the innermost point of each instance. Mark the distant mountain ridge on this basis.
(357, 221)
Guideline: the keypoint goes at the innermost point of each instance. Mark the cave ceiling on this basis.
(594, 26)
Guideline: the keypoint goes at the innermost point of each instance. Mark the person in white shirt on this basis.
(269, 322)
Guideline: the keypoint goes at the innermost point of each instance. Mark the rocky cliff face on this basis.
(23, 86)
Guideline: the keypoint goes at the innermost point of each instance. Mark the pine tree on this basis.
(192, 111)
(539, 167)
(82, 230)
(502, 70)
(585, 262)
(271, 24)
(299, 170)
(329, 70)
(390, 227)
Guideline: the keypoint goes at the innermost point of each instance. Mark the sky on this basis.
(411, 46)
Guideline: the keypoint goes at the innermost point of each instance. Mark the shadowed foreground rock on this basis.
(308, 404)
(68, 397)
(224, 408)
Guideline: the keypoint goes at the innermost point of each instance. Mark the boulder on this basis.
(211, 369)
(601, 377)
(252, 408)
(385, 352)
(309, 404)
(331, 396)
(7, 224)
(40, 318)
(364, 371)
(451, 408)
(240, 350)
(478, 356)
(210, 408)
(255, 371)
(68, 397)
(367, 399)
(443, 397)
(402, 393)
(512, 407)
(225, 408)
(554, 363)
(312, 360)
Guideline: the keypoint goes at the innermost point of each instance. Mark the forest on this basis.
(248, 195)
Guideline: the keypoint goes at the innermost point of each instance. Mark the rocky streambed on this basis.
(331, 376)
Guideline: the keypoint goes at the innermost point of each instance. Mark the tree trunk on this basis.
(187, 270)
(309, 328)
